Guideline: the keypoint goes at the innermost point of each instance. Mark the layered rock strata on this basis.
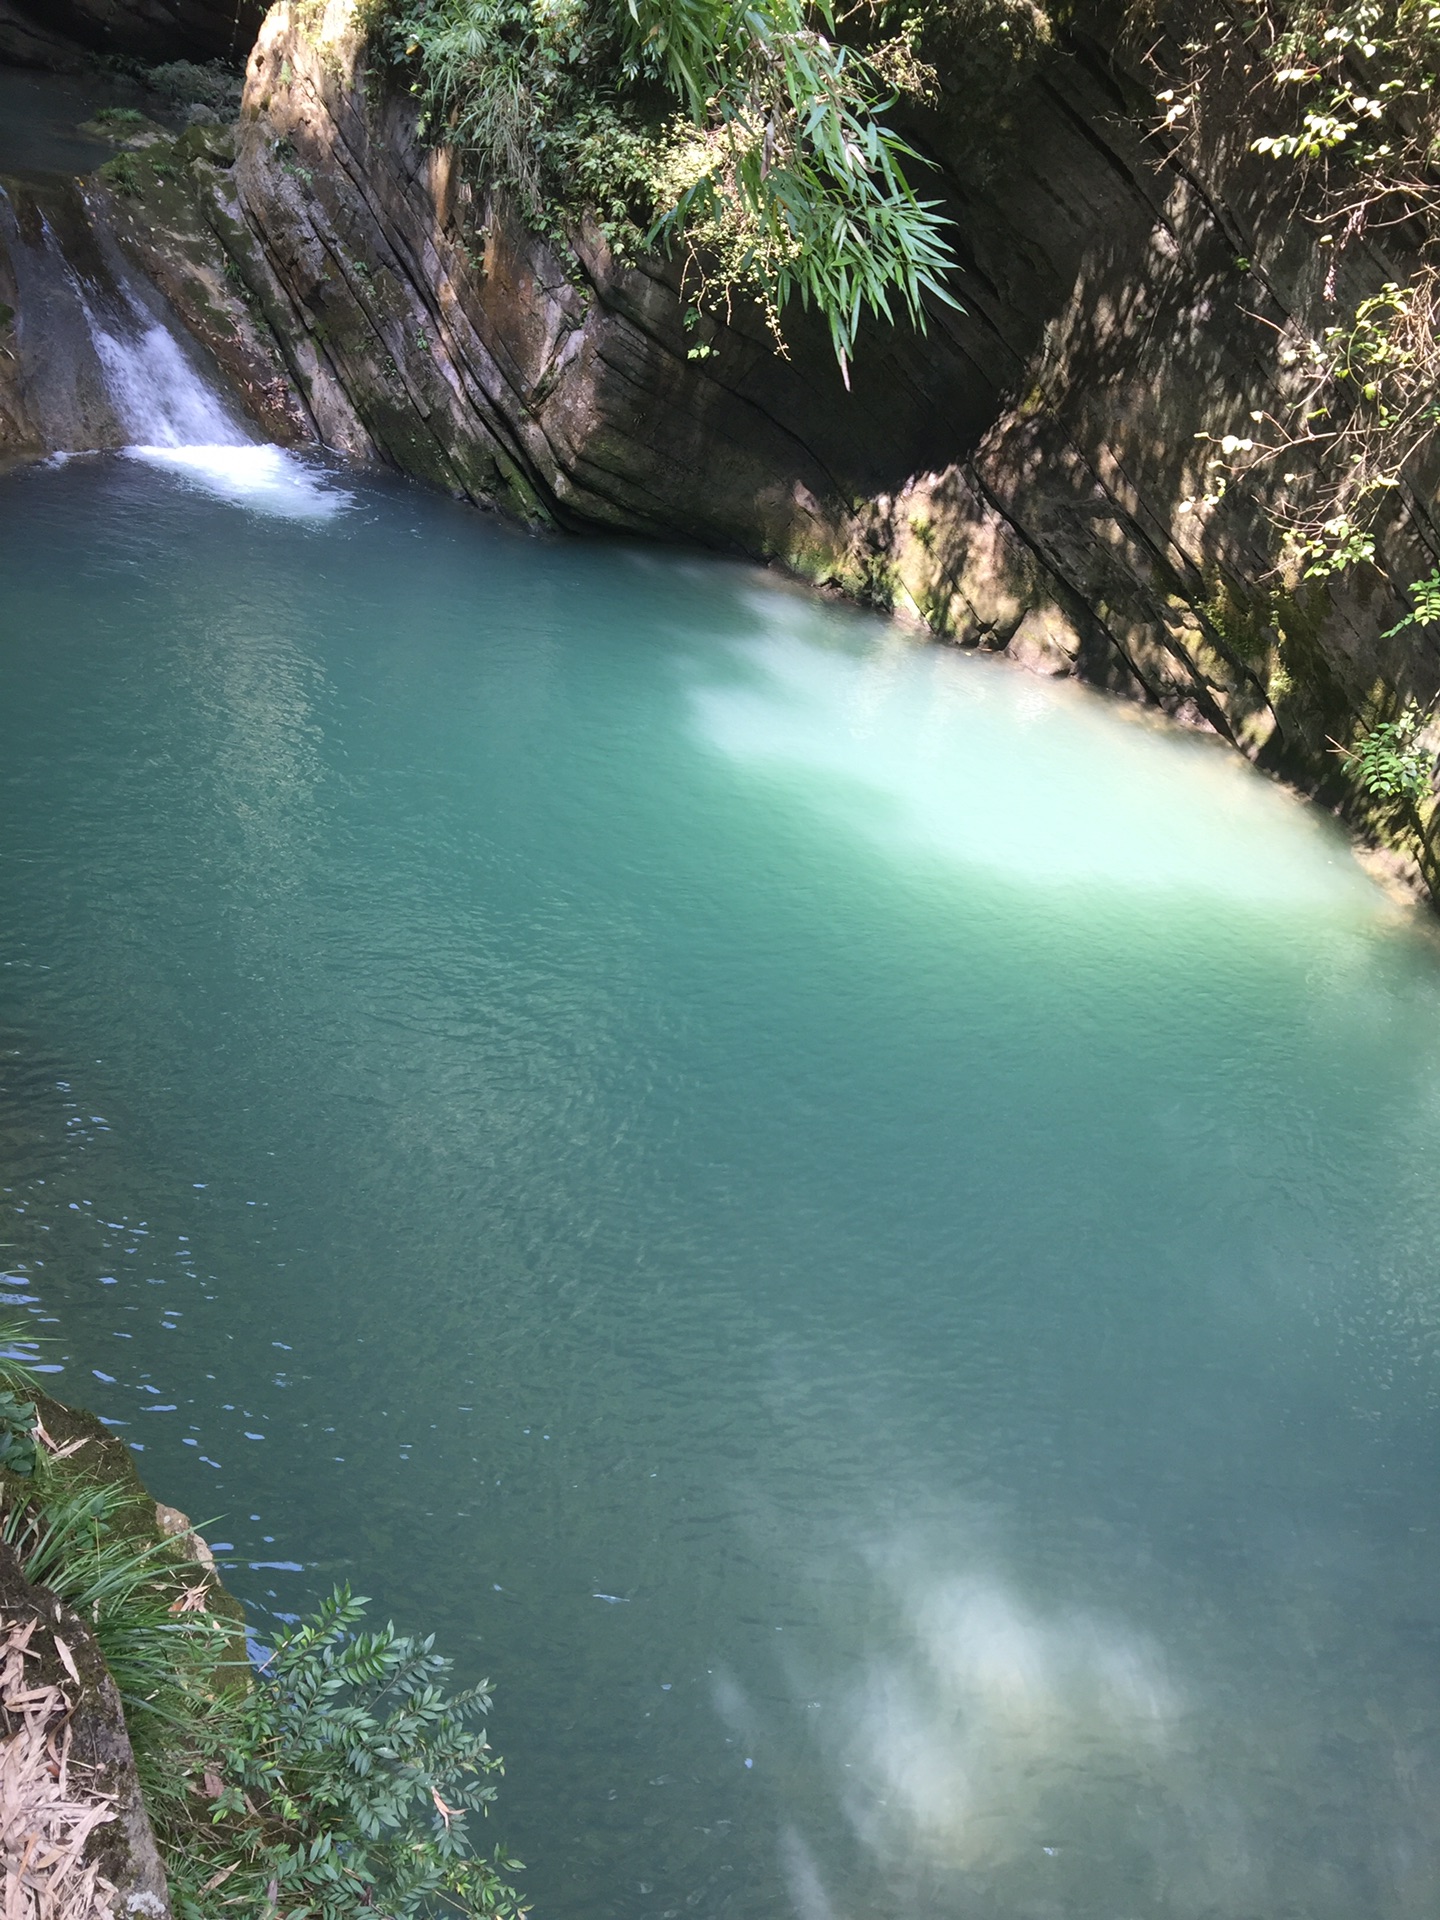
(1030, 476)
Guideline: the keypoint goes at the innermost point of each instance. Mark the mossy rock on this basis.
(207, 142)
(101, 1458)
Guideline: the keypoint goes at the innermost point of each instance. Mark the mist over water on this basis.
(855, 1228)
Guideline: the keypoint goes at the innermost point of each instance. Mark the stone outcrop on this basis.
(60, 34)
(1023, 476)
(77, 1842)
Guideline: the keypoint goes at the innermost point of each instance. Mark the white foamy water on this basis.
(181, 424)
(157, 395)
(265, 478)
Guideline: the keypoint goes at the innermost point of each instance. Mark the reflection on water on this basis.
(856, 1230)
(984, 1708)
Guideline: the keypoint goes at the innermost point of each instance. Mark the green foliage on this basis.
(1354, 74)
(1389, 761)
(184, 83)
(337, 1782)
(123, 174)
(17, 1434)
(796, 161)
(746, 135)
(121, 119)
(342, 1785)
(1426, 610)
(96, 1548)
(1333, 547)
(17, 1377)
(1348, 88)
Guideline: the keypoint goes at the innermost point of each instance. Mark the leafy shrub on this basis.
(1426, 610)
(335, 1782)
(184, 84)
(17, 1433)
(747, 135)
(17, 1415)
(341, 1786)
(1389, 761)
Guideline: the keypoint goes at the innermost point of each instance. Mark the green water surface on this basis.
(857, 1229)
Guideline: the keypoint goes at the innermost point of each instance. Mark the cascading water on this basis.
(158, 397)
(179, 423)
(102, 368)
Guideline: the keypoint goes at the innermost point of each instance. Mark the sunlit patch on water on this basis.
(853, 1228)
(930, 755)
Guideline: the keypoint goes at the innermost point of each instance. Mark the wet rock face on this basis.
(69, 1770)
(1030, 476)
(425, 323)
(1023, 477)
(58, 33)
(64, 280)
(551, 378)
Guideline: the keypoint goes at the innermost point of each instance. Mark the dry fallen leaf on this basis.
(54, 1448)
(66, 1660)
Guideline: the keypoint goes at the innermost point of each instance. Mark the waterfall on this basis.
(179, 424)
(103, 367)
(158, 397)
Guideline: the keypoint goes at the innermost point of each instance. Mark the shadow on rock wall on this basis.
(1031, 475)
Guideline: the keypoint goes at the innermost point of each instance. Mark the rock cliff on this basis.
(1029, 476)
(59, 34)
(1021, 476)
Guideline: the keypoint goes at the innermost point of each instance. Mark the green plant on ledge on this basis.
(750, 137)
(335, 1781)
(1388, 760)
(18, 1450)
(341, 1785)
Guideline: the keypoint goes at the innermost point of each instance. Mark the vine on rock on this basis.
(1348, 97)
